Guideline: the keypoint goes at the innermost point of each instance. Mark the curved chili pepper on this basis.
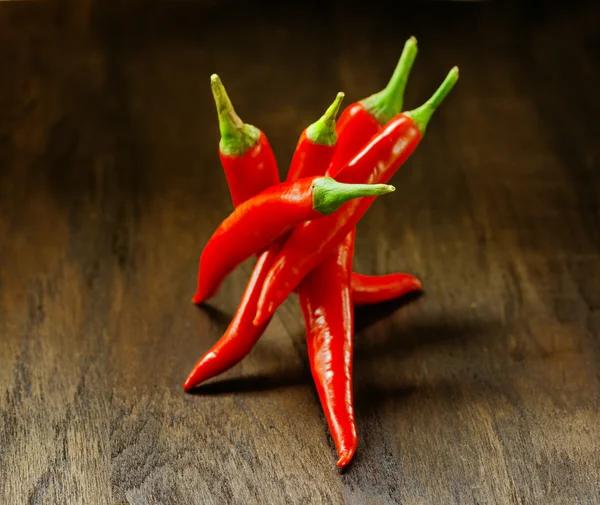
(310, 243)
(327, 307)
(241, 335)
(370, 289)
(246, 156)
(361, 120)
(259, 221)
(328, 292)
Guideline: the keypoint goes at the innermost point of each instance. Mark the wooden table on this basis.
(483, 391)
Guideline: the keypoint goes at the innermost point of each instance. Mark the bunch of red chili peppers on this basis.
(302, 231)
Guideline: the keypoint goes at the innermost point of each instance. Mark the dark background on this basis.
(483, 391)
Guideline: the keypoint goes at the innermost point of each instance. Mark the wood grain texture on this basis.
(483, 391)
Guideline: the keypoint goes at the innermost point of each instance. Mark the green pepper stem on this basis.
(422, 115)
(329, 195)
(322, 131)
(387, 103)
(236, 137)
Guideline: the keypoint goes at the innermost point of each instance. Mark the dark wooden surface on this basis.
(483, 391)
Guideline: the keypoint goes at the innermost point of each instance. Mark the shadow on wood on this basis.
(252, 384)
(367, 315)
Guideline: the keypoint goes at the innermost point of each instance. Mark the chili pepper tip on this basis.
(417, 284)
(236, 136)
(346, 457)
(387, 103)
(422, 114)
(188, 385)
(329, 195)
(322, 131)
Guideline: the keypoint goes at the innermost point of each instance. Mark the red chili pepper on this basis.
(326, 303)
(262, 219)
(370, 289)
(312, 157)
(325, 293)
(246, 156)
(310, 243)
(245, 153)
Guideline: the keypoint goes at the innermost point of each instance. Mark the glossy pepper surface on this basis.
(310, 243)
(371, 289)
(326, 301)
(312, 157)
